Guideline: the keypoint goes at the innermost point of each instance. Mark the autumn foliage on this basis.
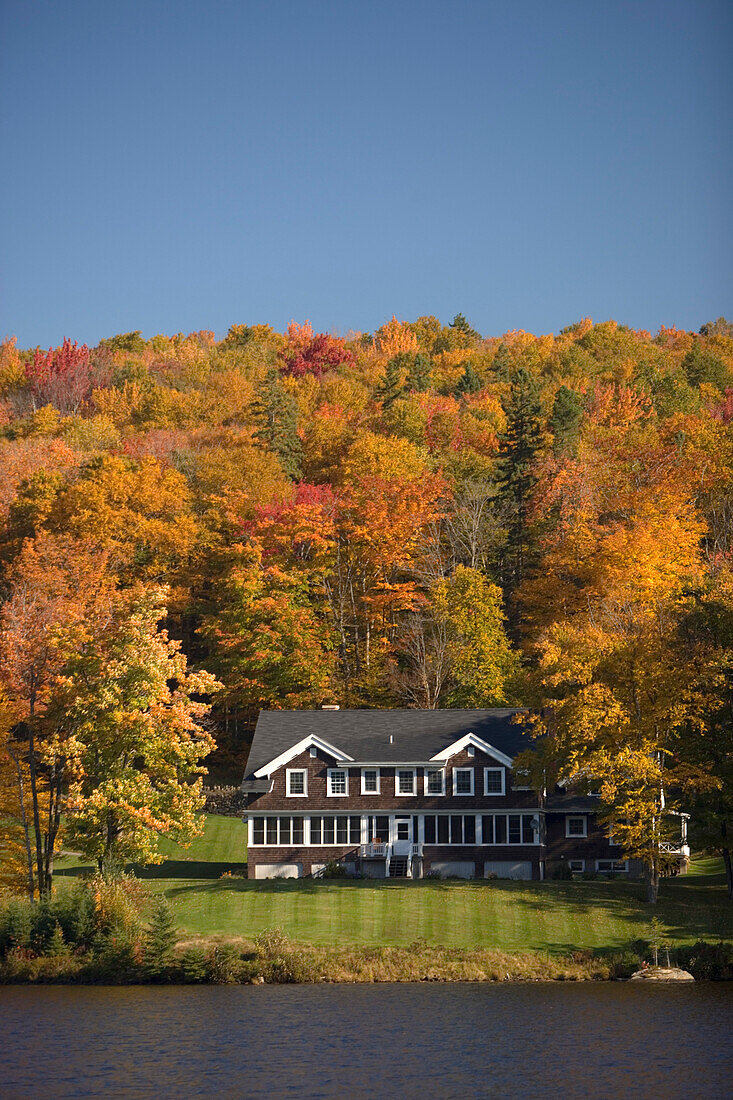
(415, 516)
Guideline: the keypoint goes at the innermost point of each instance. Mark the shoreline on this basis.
(287, 963)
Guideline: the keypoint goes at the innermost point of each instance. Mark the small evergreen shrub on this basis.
(160, 939)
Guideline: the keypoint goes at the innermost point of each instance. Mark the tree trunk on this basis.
(652, 886)
(728, 870)
(34, 797)
(26, 830)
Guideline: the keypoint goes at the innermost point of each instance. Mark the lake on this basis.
(427, 1040)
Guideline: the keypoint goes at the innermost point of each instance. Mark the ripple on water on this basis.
(427, 1041)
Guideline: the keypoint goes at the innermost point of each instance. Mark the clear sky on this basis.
(171, 166)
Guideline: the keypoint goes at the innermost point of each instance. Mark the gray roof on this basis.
(418, 735)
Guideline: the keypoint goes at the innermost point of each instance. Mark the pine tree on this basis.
(276, 415)
(392, 385)
(469, 382)
(567, 414)
(517, 479)
(460, 324)
(160, 939)
(418, 373)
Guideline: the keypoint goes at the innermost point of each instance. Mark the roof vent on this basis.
(330, 706)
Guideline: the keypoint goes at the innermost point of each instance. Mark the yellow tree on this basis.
(16, 855)
(607, 603)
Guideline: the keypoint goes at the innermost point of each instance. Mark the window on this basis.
(378, 826)
(509, 829)
(405, 781)
(612, 865)
(463, 781)
(576, 826)
(493, 781)
(296, 782)
(434, 781)
(576, 865)
(277, 830)
(338, 782)
(370, 780)
(335, 830)
(456, 829)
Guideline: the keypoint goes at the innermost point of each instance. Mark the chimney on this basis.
(330, 706)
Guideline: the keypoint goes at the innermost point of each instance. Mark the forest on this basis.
(193, 529)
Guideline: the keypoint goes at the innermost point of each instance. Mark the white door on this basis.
(402, 841)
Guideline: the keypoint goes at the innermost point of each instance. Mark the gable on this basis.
(470, 740)
(311, 741)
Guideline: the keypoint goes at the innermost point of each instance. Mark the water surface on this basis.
(426, 1040)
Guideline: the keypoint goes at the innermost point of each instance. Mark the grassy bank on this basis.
(551, 917)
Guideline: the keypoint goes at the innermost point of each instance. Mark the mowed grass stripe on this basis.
(513, 916)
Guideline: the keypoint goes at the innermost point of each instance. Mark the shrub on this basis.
(193, 965)
(225, 965)
(707, 961)
(15, 926)
(160, 939)
(561, 872)
(334, 869)
(271, 943)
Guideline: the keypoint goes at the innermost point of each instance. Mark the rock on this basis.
(662, 974)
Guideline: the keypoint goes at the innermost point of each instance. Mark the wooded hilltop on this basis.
(192, 530)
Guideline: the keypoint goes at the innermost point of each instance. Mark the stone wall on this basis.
(226, 801)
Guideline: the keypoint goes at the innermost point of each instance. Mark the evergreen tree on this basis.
(418, 373)
(567, 414)
(160, 938)
(469, 382)
(392, 385)
(517, 479)
(460, 324)
(276, 415)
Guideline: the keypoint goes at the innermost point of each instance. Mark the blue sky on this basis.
(171, 166)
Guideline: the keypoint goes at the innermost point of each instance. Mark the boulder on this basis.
(662, 974)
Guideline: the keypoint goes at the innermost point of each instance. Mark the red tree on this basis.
(61, 377)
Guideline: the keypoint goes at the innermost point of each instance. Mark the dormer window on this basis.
(337, 782)
(405, 781)
(296, 783)
(493, 781)
(463, 781)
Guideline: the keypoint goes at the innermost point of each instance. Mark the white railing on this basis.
(679, 849)
(416, 851)
(377, 849)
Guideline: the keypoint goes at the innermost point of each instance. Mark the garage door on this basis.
(505, 868)
(447, 868)
(278, 870)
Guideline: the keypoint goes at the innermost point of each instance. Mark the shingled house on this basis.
(406, 793)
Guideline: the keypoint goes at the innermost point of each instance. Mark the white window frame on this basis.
(576, 817)
(494, 794)
(329, 783)
(520, 786)
(577, 870)
(379, 781)
(296, 771)
(463, 794)
(434, 771)
(617, 870)
(405, 794)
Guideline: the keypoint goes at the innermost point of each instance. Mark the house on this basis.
(409, 793)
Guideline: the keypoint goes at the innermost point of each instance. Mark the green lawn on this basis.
(513, 916)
